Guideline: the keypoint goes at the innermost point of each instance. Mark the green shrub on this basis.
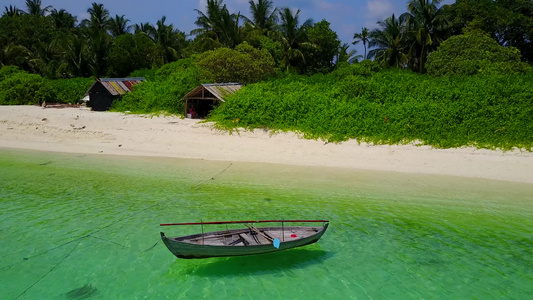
(69, 90)
(245, 64)
(148, 74)
(20, 88)
(390, 106)
(474, 53)
(8, 71)
(164, 93)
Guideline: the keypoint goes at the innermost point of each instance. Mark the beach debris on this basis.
(72, 125)
(120, 145)
(83, 292)
(44, 119)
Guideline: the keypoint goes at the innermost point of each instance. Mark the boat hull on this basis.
(184, 249)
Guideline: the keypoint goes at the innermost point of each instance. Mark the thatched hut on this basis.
(201, 100)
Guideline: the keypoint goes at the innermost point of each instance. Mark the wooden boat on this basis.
(244, 241)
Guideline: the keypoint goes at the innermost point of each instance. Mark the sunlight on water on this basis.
(87, 227)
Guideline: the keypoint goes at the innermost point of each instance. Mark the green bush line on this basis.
(18, 87)
(390, 107)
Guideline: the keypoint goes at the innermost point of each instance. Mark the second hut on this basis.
(200, 101)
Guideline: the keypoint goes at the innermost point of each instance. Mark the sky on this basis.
(345, 16)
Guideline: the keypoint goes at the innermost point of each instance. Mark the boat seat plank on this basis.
(262, 239)
(248, 239)
(273, 234)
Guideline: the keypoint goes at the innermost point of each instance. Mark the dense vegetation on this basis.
(390, 107)
(446, 76)
(20, 87)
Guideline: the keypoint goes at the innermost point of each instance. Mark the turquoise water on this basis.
(87, 227)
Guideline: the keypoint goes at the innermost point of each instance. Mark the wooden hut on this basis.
(201, 100)
(106, 90)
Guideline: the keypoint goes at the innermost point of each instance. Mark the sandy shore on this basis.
(79, 130)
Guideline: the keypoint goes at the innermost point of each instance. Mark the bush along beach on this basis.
(390, 107)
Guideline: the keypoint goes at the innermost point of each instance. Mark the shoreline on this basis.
(79, 130)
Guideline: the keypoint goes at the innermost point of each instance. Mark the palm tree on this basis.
(344, 55)
(209, 21)
(12, 11)
(264, 17)
(16, 55)
(292, 35)
(119, 26)
(99, 40)
(145, 28)
(361, 37)
(389, 42)
(35, 8)
(171, 40)
(44, 58)
(427, 27)
(218, 25)
(75, 55)
(62, 19)
(99, 18)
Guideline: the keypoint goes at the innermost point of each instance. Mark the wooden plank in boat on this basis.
(273, 234)
(262, 239)
(248, 239)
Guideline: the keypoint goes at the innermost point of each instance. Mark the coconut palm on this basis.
(35, 8)
(264, 16)
(427, 28)
(171, 40)
(75, 56)
(292, 35)
(12, 11)
(389, 42)
(145, 28)
(361, 37)
(99, 18)
(15, 55)
(218, 25)
(62, 19)
(99, 40)
(345, 55)
(210, 20)
(119, 26)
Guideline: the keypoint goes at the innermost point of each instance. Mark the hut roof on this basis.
(118, 86)
(218, 90)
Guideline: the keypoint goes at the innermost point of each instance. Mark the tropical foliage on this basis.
(475, 53)
(19, 87)
(245, 64)
(390, 107)
(165, 92)
(300, 76)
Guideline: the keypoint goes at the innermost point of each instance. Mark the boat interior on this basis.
(251, 236)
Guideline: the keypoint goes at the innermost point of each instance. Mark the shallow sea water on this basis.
(76, 226)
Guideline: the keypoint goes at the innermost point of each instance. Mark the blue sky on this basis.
(346, 16)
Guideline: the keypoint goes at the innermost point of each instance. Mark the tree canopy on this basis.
(474, 53)
(51, 42)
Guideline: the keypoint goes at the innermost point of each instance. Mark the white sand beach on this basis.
(79, 130)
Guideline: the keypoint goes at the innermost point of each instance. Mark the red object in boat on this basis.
(293, 235)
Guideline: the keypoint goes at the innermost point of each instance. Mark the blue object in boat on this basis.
(276, 243)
